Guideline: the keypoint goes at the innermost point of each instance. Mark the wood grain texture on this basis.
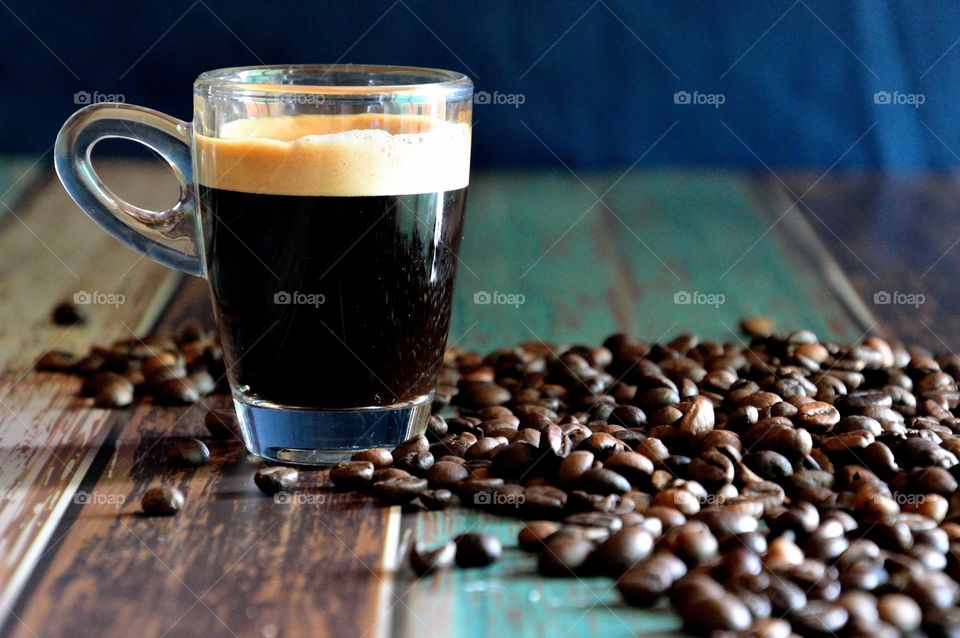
(50, 251)
(48, 437)
(233, 562)
(323, 565)
(897, 238)
(587, 269)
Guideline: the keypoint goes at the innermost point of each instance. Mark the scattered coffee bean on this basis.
(114, 394)
(273, 480)
(351, 475)
(68, 314)
(478, 550)
(380, 457)
(179, 391)
(436, 499)
(532, 536)
(189, 453)
(162, 500)
(564, 555)
(425, 560)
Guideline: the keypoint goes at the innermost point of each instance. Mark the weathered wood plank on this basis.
(50, 251)
(897, 238)
(233, 562)
(588, 272)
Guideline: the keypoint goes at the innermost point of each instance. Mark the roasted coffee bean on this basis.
(68, 314)
(56, 361)
(564, 555)
(378, 456)
(713, 468)
(222, 424)
(424, 559)
(698, 418)
(628, 416)
(436, 499)
(351, 475)
(709, 613)
(400, 490)
(818, 416)
(514, 461)
(532, 536)
(631, 465)
(162, 500)
(600, 480)
(820, 617)
(769, 465)
(98, 381)
(446, 474)
(412, 446)
(179, 391)
(785, 596)
(623, 549)
(189, 453)
(273, 480)
(477, 550)
(900, 611)
(758, 326)
(482, 394)
(692, 542)
(114, 394)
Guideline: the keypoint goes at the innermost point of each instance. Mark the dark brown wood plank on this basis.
(897, 238)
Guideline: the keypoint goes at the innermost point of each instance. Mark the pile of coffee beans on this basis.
(783, 487)
(780, 487)
(176, 370)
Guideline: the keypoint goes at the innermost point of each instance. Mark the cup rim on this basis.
(251, 81)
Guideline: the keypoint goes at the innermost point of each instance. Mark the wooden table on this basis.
(605, 253)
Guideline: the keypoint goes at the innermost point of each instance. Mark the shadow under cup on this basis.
(324, 204)
(332, 295)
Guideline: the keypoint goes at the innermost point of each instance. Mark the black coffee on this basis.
(332, 302)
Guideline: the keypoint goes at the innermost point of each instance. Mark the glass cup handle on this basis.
(170, 236)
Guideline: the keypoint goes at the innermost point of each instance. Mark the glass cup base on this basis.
(308, 436)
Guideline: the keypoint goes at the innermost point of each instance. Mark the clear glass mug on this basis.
(324, 206)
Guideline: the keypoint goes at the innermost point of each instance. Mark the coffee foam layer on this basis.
(336, 155)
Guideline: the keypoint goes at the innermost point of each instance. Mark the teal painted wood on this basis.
(586, 271)
(509, 599)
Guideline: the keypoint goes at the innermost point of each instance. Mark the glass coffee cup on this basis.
(324, 205)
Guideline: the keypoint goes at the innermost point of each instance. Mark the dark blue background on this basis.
(597, 79)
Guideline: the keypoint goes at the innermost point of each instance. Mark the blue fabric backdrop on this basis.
(789, 83)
